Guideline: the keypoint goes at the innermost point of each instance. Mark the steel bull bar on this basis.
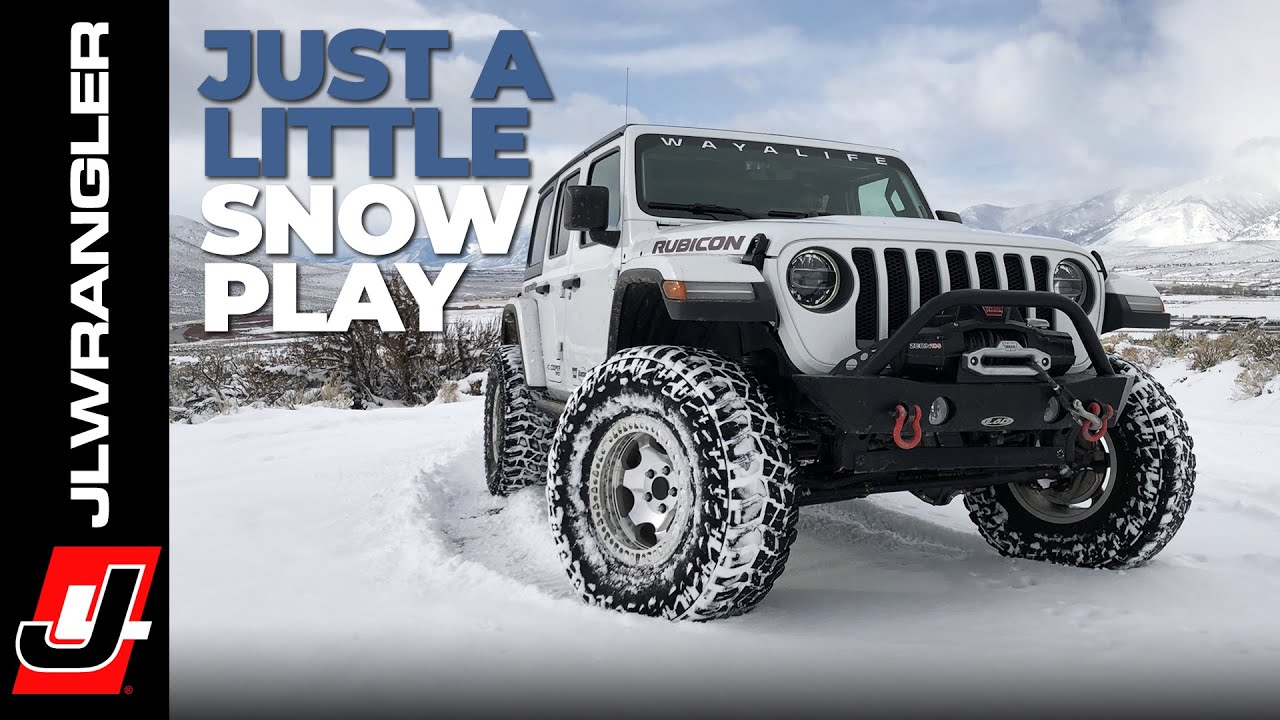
(867, 404)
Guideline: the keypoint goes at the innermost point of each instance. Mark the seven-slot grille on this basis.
(904, 289)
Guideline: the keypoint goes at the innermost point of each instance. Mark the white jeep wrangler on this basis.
(719, 327)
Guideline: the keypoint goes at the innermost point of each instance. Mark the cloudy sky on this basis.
(991, 101)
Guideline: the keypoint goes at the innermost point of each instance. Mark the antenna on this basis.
(626, 100)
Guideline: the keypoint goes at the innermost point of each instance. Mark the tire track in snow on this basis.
(872, 527)
(507, 537)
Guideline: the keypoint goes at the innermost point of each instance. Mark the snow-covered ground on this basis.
(1253, 263)
(1202, 305)
(337, 556)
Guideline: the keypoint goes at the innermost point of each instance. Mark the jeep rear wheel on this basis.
(516, 432)
(668, 486)
(1120, 508)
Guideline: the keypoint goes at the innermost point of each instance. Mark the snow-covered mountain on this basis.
(1268, 228)
(419, 250)
(318, 284)
(1241, 202)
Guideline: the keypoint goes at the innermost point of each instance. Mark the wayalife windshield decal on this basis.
(763, 149)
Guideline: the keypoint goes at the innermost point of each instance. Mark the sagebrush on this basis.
(1258, 353)
(221, 380)
(362, 367)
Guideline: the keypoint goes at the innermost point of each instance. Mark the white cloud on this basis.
(1054, 115)
(738, 51)
(1074, 101)
(1219, 65)
(334, 15)
(1074, 16)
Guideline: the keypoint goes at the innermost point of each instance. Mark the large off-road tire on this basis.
(1148, 453)
(516, 432)
(668, 486)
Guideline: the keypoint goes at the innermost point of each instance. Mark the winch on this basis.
(980, 343)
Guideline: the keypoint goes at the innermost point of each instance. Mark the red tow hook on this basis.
(915, 428)
(1104, 412)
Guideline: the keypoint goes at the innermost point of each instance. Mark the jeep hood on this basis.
(733, 237)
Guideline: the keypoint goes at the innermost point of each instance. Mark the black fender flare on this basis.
(509, 328)
(762, 308)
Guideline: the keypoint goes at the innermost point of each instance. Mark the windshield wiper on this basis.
(703, 209)
(796, 213)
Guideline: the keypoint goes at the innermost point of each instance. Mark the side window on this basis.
(871, 199)
(560, 236)
(607, 172)
(538, 241)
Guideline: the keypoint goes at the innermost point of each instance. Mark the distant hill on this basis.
(1241, 203)
(419, 250)
(318, 283)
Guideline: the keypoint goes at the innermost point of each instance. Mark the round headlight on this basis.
(1069, 280)
(813, 279)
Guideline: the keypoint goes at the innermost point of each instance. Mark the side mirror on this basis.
(586, 207)
(949, 216)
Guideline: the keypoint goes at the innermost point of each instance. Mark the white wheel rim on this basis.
(640, 490)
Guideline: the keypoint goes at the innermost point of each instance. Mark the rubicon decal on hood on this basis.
(702, 244)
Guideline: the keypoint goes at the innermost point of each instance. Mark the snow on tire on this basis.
(1154, 475)
(668, 486)
(516, 431)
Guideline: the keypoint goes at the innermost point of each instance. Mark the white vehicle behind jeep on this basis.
(718, 327)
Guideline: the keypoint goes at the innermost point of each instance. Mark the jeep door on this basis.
(589, 287)
(552, 287)
(536, 289)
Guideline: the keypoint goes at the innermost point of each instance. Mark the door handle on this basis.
(572, 283)
(542, 289)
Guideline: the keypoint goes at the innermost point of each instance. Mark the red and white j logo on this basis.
(86, 621)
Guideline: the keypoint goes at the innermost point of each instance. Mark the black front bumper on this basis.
(866, 406)
(861, 396)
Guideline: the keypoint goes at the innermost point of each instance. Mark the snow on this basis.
(1186, 306)
(1248, 263)
(356, 556)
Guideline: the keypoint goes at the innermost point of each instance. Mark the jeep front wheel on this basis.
(1120, 508)
(668, 486)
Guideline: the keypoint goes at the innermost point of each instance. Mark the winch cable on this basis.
(1093, 421)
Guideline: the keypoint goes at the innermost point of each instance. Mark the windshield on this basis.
(717, 178)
